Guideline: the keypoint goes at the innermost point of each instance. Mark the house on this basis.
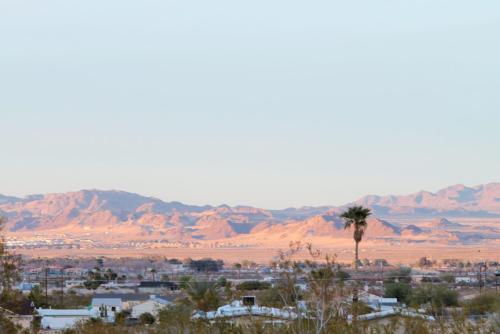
(377, 302)
(244, 309)
(465, 280)
(129, 300)
(62, 319)
(70, 284)
(152, 306)
(154, 287)
(26, 287)
(108, 307)
(389, 313)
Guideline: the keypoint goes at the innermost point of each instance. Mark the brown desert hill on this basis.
(442, 223)
(325, 225)
(108, 213)
(213, 227)
(86, 208)
(457, 200)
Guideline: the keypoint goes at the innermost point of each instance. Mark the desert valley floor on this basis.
(344, 252)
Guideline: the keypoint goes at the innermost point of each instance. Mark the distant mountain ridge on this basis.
(128, 215)
(457, 200)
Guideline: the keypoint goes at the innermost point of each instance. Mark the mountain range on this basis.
(122, 215)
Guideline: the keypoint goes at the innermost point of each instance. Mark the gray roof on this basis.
(162, 301)
(117, 302)
(124, 296)
(127, 297)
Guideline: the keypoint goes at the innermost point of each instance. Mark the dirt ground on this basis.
(393, 253)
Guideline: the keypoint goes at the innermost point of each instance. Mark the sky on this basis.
(266, 103)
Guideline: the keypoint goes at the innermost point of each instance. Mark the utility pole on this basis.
(62, 287)
(497, 273)
(480, 275)
(480, 279)
(46, 286)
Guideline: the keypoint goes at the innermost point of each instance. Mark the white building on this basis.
(239, 309)
(152, 306)
(26, 287)
(377, 302)
(108, 307)
(465, 279)
(63, 319)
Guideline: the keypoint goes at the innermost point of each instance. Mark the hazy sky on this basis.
(268, 103)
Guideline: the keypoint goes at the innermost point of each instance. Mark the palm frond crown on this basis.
(356, 216)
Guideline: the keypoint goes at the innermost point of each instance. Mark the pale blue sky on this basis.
(268, 103)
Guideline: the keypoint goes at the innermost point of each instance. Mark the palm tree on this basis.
(356, 216)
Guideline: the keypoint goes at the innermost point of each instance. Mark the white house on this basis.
(63, 319)
(70, 284)
(152, 306)
(465, 279)
(108, 307)
(389, 313)
(26, 287)
(378, 303)
(239, 309)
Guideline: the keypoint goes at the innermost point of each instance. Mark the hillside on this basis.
(457, 200)
(121, 215)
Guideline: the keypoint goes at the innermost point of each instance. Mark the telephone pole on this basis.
(62, 287)
(46, 286)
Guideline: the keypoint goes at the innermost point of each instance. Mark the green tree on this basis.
(448, 278)
(424, 262)
(401, 291)
(253, 285)
(342, 275)
(270, 297)
(483, 304)
(146, 319)
(10, 264)
(356, 217)
(184, 281)
(437, 296)
(237, 266)
(175, 318)
(203, 295)
(36, 296)
(402, 274)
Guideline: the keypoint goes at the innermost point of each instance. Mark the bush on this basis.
(448, 278)
(401, 291)
(7, 326)
(342, 275)
(437, 295)
(222, 282)
(399, 275)
(206, 265)
(146, 319)
(184, 281)
(270, 297)
(253, 285)
(483, 304)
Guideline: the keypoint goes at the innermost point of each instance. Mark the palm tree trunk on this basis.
(356, 256)
(355, 293)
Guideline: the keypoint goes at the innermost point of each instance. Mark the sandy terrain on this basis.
(393, 253)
